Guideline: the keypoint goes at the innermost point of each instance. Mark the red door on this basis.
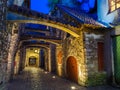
(100, 56)
(72, 70)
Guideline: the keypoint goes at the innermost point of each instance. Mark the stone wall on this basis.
(4, 41)
(17, 63)
(46, 60)
(53, 58)
(91, 40)
(74, 47)
(4, 46)
(48, 57)
(59, 60)
(12, 50)
(84, 49)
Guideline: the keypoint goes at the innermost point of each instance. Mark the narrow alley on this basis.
(37, 79)
(59, 44)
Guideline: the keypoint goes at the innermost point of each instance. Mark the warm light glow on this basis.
(114, 4)
(73, 87)
(118, 5)
(59, 70)
(53, 77)
(69, 29)
(36, 51)
(112, 8)
(32, 53)
(46, 72)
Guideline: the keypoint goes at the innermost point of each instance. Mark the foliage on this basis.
(52, 3)
(96, 79)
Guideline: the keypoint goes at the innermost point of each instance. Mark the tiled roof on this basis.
(80, 15)
(30, 14)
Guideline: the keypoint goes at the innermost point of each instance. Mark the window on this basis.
(114, 4)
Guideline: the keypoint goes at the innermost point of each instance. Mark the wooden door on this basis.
(100, 56)
(72, 70)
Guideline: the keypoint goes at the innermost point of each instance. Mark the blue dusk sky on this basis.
(40, 6)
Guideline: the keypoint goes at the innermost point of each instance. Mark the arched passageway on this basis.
(32, 61)
(43, 19)
(71, 31)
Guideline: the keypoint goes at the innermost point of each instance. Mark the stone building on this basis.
(110, 15)
(74, 42)
(4, 42)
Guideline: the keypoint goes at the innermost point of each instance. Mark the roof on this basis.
(80, 15)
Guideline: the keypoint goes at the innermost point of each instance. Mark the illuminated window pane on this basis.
(112, 8)
(118, 0)
(112, 3)
(118, 5)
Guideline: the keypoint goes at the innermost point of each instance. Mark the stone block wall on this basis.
(4, 46)
(74, 47)
(12, 50)
(17, 62)
(84, 49)
(4, 41)
(91, 57)
(46, 60)
(53, 58)
(59, 60)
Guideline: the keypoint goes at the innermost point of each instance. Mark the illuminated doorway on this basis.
(32, 61)
(72, 70)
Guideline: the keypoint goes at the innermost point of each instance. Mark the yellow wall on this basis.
(59, 62)
(30, 53)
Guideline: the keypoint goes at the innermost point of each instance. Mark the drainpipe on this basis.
(112, 58)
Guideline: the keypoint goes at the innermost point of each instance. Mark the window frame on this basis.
(115, 5)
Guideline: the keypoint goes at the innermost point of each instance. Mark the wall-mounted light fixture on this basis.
(36, 51)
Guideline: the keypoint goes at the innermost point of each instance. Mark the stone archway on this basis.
(32, 61)
(72, 69)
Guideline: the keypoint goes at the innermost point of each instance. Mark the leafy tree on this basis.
(52, 3)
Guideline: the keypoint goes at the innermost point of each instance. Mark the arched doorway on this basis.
(72, 70)
(32, 61)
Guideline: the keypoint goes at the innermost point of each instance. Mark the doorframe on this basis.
(77, 68)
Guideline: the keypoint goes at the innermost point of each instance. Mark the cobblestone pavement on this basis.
(37, 79)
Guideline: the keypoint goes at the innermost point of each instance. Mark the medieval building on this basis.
(78, 40)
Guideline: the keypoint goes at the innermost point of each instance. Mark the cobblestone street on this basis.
(38, 79)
